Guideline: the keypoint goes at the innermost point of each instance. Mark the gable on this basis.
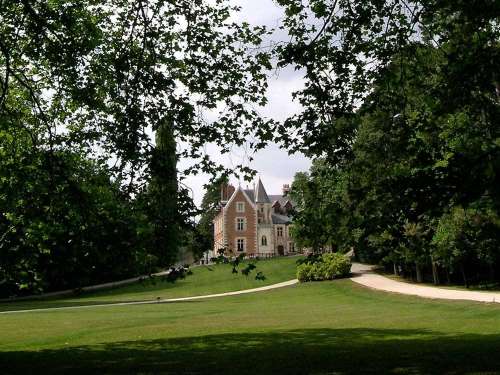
(239, 196)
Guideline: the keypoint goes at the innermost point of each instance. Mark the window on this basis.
(240, 244)
(263, 241)
(291, 247)
(240, 206)
(279, 231)
(262, 209)
(240, 223)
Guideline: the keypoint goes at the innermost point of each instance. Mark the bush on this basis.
(305, 272)
(327, 267)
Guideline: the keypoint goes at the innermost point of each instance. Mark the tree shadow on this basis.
(305, 351)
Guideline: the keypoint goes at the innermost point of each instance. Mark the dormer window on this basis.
(240, 206)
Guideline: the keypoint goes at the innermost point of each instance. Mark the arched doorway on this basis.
(281, 250)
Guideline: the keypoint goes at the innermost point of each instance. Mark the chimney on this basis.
(286, 189)
(230, 191)
(226, 192)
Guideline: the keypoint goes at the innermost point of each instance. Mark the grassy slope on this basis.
(310, 328)
(205, 280)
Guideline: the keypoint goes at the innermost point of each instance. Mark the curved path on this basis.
(166, 300)
(364, 275)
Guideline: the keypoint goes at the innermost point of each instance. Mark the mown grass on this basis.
(204, 280)
(315, 328)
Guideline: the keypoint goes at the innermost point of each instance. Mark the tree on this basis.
(128, 85)
(308, 228)
(320, 217)
(401, 98)
(203, 231)
(466, 237)
(65, 226)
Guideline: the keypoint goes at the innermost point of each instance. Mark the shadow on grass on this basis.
(339, 351)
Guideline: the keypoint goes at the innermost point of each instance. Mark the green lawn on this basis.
(204, 280)
(320, 328)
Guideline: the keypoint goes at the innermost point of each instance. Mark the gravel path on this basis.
(364, 275)
(166, 300)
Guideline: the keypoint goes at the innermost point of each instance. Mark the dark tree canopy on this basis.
(402, 105)
(119, 90)
(100, 100)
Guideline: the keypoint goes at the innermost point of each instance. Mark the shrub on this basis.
(327, 267)
(305, 272)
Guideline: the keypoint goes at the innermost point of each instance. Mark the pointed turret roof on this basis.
(260, 193)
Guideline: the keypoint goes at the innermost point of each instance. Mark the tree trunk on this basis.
(163, 191)
(418, 270)
(395, 267)
(462, 268)
(435, 275)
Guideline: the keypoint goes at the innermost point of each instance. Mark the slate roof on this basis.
(260, 193)
(280, 219)
(249, 193)
(281, 199)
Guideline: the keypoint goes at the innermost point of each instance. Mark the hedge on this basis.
(327, 267)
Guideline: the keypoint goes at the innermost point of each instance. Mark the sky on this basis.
(274, 166)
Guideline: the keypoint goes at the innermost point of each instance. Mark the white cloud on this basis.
(274, 165)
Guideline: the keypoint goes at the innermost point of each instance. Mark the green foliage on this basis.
(99, 100)
(328, 266)
(319, 219)
(467, 236)
(64, 223)
(239, 261)
(202, 238)
(400, 110)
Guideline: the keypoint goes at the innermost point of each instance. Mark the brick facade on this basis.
(249, 231)
(252, 222)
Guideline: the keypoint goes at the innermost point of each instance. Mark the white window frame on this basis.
(240, 206)
(244, 244)
(244, 224)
